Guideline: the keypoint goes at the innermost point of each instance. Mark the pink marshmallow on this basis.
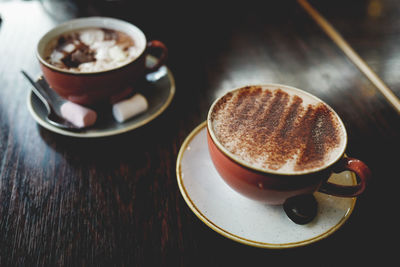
(78, 115)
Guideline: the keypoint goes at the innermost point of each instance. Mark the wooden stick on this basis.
(354, 57)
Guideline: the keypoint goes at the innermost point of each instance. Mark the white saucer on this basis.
(244, 220)
(159, 91)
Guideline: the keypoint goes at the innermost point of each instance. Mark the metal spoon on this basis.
(48, 99)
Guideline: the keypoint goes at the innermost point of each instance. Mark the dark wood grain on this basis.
(115, 201)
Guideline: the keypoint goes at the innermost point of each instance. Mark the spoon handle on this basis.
(39, 91)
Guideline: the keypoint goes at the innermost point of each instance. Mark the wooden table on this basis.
(115, 200)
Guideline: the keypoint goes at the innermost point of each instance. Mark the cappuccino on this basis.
(278, 129)
(91, 50)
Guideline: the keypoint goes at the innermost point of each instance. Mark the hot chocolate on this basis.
(276, 129)
(91, 50)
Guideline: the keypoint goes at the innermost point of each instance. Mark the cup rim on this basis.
(243, 163)
(75, 23)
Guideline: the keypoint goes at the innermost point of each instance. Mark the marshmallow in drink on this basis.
(130, 107)
(78, 115)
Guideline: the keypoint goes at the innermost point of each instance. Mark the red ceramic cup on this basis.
(91, 88)
(274, 186)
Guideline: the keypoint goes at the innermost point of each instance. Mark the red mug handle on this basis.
(362, 172)
(155, 44)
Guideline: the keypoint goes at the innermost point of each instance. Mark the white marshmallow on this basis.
(89, 37)
(56, 57)
(116, 53)
(69, 48)
(78, 115)
(133, 51)
(130, 107)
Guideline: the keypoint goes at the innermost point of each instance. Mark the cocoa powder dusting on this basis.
(270, 128)
(242, 106)
(320, 135)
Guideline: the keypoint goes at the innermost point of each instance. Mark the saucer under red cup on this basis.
(92, 88)
(275, 187)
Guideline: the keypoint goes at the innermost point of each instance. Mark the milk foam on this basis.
(268, 129)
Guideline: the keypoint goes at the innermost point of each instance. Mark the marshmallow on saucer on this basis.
(130, 107)
(78, 115)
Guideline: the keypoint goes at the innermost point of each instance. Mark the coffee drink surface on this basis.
(282, 130)
(91, 50)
